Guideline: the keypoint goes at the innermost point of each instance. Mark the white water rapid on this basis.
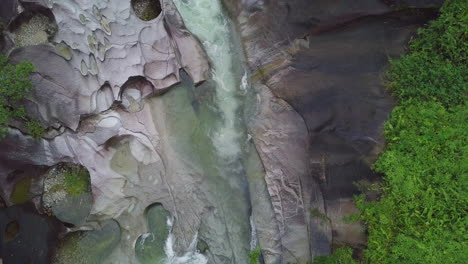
(206, 20)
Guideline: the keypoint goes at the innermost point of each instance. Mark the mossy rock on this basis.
(67, 193)
(91, 247)
(39, 29)
(21, 193)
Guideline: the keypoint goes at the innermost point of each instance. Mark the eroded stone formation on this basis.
(96, 62)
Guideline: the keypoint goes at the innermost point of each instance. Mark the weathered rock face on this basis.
(97, 43)
(318, 68)
(93, 73)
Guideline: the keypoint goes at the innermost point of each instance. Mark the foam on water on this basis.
(206, 20)
(145, 236)
(192, 256)
(253, 235)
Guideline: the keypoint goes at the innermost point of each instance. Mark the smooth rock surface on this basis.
(319, 65)
(104, 42)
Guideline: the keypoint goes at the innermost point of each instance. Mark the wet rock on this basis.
(91, 247)
(21, 184)
(266, 231)
(324, 61)
(202, 247)
(26, 235)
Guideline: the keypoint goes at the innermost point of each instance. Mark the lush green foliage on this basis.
(254, 256)
(76, 181)
(15, 84)
(340, 256)
(421, 216)
(437, 65)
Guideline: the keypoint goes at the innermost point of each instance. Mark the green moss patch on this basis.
(76, 181)
(21, 192)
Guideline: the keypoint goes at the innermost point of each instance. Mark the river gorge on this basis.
(202, 129)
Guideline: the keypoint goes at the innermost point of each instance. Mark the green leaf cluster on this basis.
(421, 218)
(422, 214)
(15, 84)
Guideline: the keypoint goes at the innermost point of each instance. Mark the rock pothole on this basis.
(134, 91)
(149, 247)
(146, 10)
(34, 26)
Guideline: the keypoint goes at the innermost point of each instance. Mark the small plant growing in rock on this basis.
(76, 181)
(35, 129)
(254, 255)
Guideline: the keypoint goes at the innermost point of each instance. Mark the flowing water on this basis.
(206, 128)
(206, 20)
